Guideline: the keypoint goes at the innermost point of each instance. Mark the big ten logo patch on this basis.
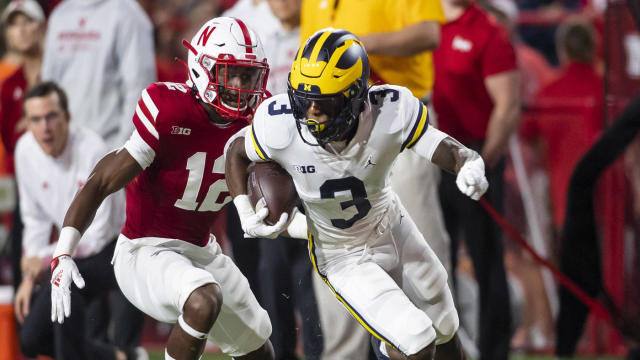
(177, 130)
(305, 169)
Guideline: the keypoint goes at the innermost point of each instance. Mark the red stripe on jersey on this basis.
(144, 133)
(247, 36)
(146, 111)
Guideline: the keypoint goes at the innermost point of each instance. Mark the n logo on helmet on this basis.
(204, 37)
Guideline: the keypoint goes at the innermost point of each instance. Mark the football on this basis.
(270, 181)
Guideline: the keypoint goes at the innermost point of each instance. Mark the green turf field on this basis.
(159, 355)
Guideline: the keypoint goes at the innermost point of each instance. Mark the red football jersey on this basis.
(472, 47)
(180, 193)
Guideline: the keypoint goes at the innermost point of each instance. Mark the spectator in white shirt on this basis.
(101, 53)
(281, 44)
(52, 163)
(256, 14)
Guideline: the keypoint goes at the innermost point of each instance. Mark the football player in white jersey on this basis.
(338, 138)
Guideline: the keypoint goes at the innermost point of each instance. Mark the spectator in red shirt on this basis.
(476, 98)
(11, 128)
(24, 22)
(568, 120)
(568, 112)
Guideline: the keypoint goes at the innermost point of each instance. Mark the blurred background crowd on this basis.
(562, 69)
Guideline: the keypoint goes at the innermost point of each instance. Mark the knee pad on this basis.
(263, 327)
(428, 280)
(415, 331)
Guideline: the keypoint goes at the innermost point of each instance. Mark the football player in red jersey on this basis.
(166, 262)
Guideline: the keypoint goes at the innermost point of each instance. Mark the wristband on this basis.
(69, 238)
(243, 205)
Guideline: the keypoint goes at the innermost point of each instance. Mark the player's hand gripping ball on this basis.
(270, 185)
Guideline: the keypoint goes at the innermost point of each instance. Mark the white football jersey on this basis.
(345, 195)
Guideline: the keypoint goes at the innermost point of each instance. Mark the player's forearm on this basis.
(236, 164)
(84, 206)
(410, 41)
(113, 172)
(449, 157)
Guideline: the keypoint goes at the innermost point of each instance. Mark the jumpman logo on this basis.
(369, 162)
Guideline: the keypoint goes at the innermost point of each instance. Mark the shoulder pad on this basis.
(275, 117)
(390, 102)
(168, 89)
(168, 98)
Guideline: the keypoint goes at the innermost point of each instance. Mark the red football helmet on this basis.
(228, 67)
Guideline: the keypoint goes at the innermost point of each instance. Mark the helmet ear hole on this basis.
(195, 73)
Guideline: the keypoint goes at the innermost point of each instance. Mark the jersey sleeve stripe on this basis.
(256, 145)
(144, 134)
(153, 109)
(421, 131)
(145, 121)
(353, 311)
(418, 128)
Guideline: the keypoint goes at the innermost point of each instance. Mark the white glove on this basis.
(471, 180)
(253, 223)
(63, 271)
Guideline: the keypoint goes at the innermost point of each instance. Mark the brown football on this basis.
(271, 181)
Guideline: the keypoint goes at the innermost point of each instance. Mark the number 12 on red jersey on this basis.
(195, 165)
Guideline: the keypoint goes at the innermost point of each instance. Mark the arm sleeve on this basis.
(140, 150)
(499, 55)
(427, 145)
(37, 225)
(134, 48)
